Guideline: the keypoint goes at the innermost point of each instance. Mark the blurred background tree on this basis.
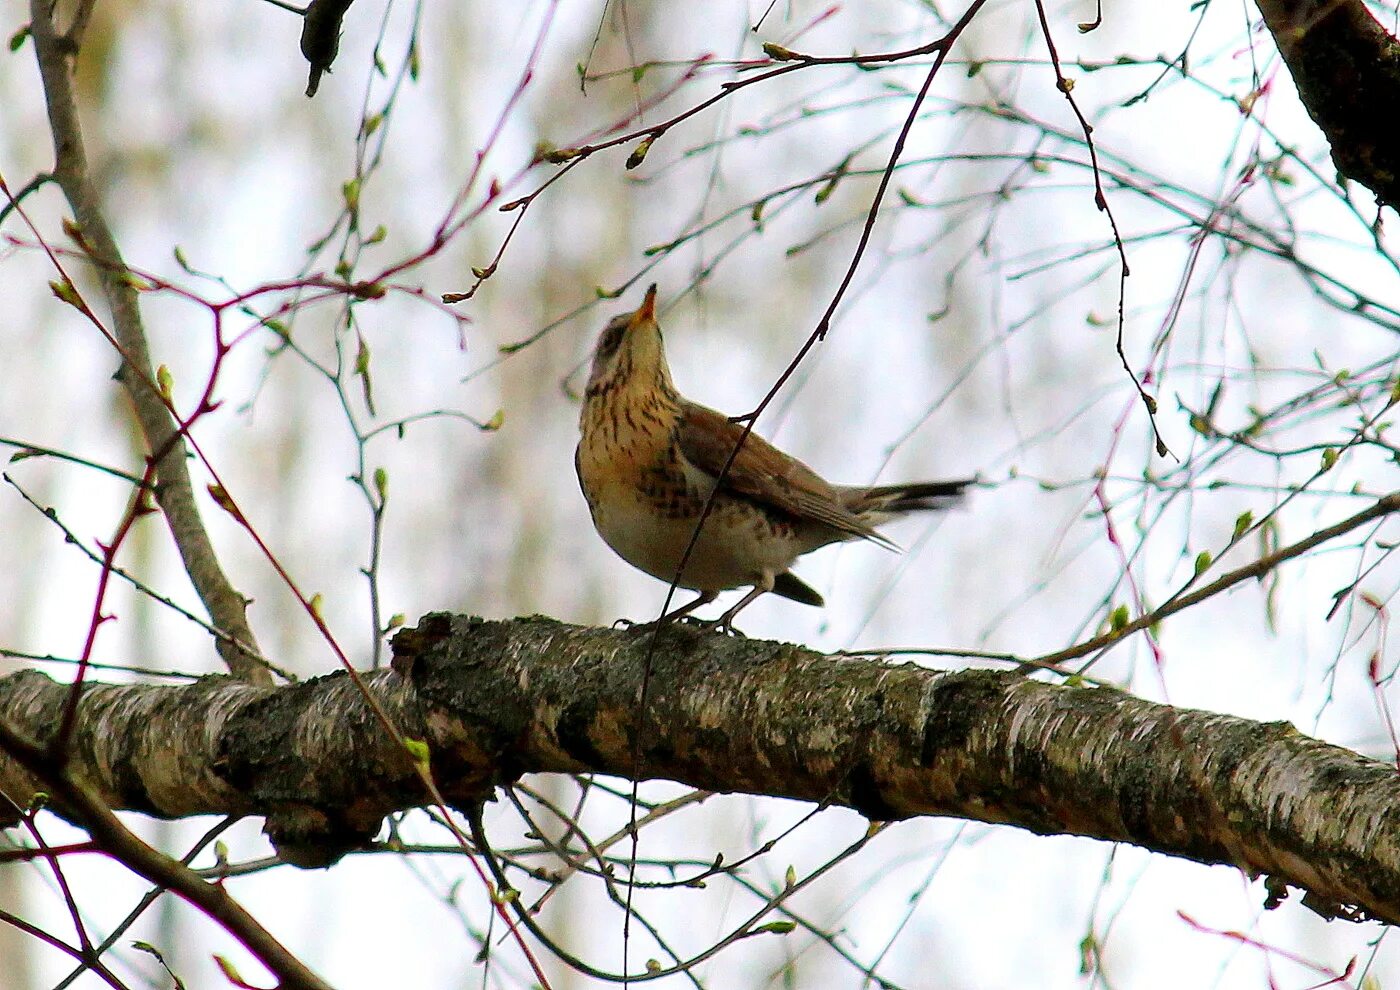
(399, 454)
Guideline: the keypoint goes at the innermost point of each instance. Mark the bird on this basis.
(650, 462)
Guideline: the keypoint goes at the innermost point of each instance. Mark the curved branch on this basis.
(174, 493)
(494, 700)
(92, 813)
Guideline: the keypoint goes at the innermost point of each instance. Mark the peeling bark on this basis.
(1347, 70)
(494, 700)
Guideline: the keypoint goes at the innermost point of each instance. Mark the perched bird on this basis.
(648, 460)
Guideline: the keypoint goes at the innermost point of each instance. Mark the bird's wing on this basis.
(763, 473)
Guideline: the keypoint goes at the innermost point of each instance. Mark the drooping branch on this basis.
(1347, 70)
(494, 700)
(174, 493)
(109, 834)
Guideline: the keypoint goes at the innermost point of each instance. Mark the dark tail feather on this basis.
(919, 496)
(789, 585)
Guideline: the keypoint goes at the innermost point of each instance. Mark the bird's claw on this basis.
(689, 621)
(713, 625)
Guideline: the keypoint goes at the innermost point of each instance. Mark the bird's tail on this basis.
(919, 496)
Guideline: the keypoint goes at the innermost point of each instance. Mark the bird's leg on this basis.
(704, 598)
(725, 623)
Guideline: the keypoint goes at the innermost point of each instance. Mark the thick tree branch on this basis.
(494, 700)
(1347, 70)
(174, 493)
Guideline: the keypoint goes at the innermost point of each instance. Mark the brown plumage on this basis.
(648, 459)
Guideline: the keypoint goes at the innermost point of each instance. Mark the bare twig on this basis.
(115, 839)
(1256, 569)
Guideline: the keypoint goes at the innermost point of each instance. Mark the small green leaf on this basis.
(395, 621)
(165, 384)
(224, 501)
(1242, 523)
(557, 156)
(314, 603)
(639, 154)
(777, 927)
(497, 420)
(371, 124)
(790, 877)
(67, 292)
(1203, 561)
(1087, 946)
(230, 971)
(381, 483)
(1329, 458)
(778, 53)
(1119, 618)
(350, 189)
(379, 234)
(17, 39)
(418, 750)
(362, 370)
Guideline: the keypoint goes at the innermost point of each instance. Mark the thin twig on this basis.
(1384, 506)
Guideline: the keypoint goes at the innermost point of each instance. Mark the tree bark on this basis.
(494, 700)
(1347, 70)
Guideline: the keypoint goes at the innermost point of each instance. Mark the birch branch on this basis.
(495, 700)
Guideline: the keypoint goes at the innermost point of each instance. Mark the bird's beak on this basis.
(646, 312)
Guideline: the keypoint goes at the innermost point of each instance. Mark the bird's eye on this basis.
(611, 338)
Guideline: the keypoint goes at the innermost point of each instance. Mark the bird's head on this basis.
(630, 349)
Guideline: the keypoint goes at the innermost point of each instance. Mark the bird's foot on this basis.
(720, 625)
(688, 621)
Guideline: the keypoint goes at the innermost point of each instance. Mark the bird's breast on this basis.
(646, 501)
